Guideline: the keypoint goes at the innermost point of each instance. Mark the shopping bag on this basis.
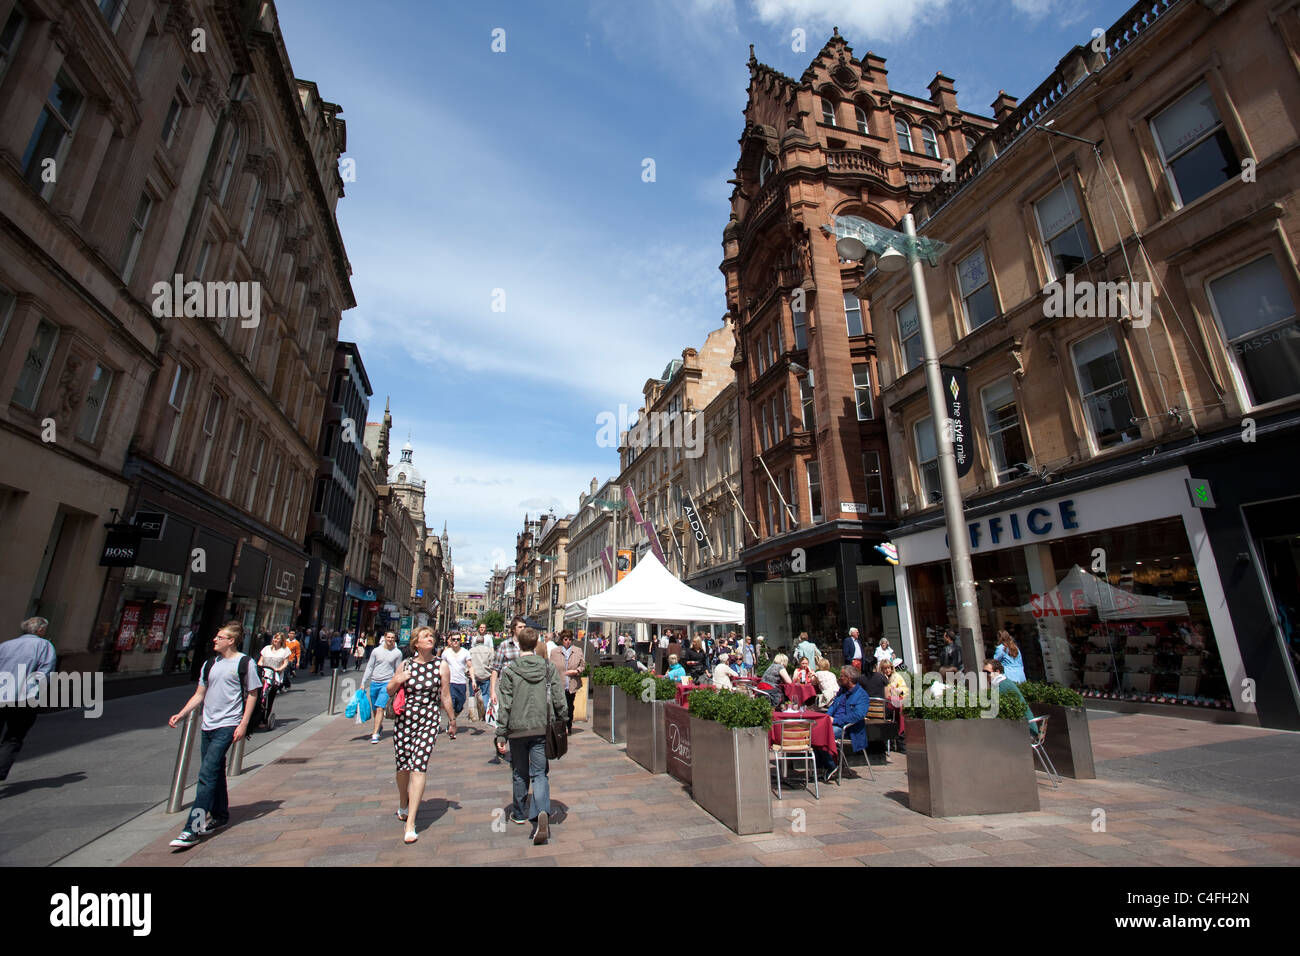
(364, 710)
(491, 717)
(471, 708)
(351, 709)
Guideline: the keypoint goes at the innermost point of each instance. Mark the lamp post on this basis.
(896, 251)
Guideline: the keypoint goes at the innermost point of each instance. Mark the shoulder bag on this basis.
(397, 702)
(557, 735)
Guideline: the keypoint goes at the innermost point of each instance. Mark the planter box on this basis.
(646, 742)
(730, 776)
(959, 767)
(677, 731)
(1069, 743)
(602, 711)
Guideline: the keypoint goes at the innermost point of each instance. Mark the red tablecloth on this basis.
(823, 731)
(684, 690)
(800, 693)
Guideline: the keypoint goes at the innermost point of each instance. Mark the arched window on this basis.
(765, 167)
(904, 133)
(861, 115)
(228, 166)
(931, 142)
(828, 112)
(970, 143)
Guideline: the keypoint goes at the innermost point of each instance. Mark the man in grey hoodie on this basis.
(529, 693)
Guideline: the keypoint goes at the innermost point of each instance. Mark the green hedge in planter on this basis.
(1051, 694)
(633, 683)
(730, 709)
(606, 676)
(964, 707)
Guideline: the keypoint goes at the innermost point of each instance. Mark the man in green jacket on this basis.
(529, 693)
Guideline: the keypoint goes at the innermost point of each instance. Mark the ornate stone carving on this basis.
(1017, 363)
(69, 394)
(180, 20)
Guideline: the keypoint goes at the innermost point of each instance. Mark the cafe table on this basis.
(823, 728)
(800, 694)
(684, 690)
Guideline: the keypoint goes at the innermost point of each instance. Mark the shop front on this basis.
(358, 616)
(246, 592)
(282, 590)
(1111, 591)
(822, 587)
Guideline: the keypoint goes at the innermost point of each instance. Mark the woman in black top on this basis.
(694, 662)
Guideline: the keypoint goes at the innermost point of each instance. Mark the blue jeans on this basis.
(458, 697)
(529, 765)
(211, 802)
(485, 691)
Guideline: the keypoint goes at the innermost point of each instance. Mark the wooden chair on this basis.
(794, 745)
(1038, 743)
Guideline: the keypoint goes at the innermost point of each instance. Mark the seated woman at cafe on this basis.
(723, 673)
(695, 659)
(803, 672)
(895, 685)
(827, 681)
(777, 675)
(676, 672)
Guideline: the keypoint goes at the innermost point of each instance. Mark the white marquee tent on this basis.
(651, 593)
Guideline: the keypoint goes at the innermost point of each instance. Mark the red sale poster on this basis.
(130, 622)
(158, 628)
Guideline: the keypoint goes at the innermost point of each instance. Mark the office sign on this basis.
(954, 387)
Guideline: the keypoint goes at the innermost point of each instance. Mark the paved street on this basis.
(76, 779)
(329, 800)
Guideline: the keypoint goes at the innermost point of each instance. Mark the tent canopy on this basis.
(649, 592)
(1112, 603)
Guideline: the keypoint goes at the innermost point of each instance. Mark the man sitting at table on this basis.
(847, 709)
(723, 673)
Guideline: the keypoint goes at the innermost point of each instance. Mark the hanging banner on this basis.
(126, 630)
(958, 407)
(624, 564)
(646, 526)
(697, 525)
(157, 633)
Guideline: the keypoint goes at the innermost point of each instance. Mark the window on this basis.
(777, 432)
(52, 132)
(828, 112)
(904, 133)
(771, 510)
(112, 11)
(875, 483)
(970, 143)
(8, 304)
(785, 409)
(765, 437)
(202, 263)
(862, 392)
(290, 491)
(976, 290)
(254, 470)
(853, 313)
(1002, 419)
(228, 167)
(270, 488)
(176, 400)
(36, 365)
(318, 504)
(1065, 242)
(930, 142)
(93, 409)
(135, 235)
(771, 352)
(1104, 390)
(909, 336)
(1258, 319)
(187, 76)
(765, 167)
(172, 121)
(806, 398)
(860, 115)
(927, 461)
(250, 212)
(211, 424)
(1194, 147)
(9, 36)
(800, 318)
(815, 491)
(232, 464)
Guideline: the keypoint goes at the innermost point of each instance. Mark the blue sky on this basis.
(521, 171)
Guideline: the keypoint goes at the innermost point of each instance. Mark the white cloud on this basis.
(1034, 9)
(858, 22)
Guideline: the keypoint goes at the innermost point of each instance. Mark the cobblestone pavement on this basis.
(331, 801)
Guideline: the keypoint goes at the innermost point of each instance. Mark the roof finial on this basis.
(835, 31)
(752, 59)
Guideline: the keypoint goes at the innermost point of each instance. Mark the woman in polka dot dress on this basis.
(428, 696)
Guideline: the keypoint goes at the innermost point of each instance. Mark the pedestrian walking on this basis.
(24, 661)
(295, 658)
(347, 648)
(227, 692)
(568, 659)
(358, 652)
(481, 657)
(379, 671)
(320, 648)
(507, 651)
(427, 684)
(458, 661)
(529, 697)
(276, 657)
(336, 650)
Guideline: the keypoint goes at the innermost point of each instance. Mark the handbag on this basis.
(396, 704)
(557, 734)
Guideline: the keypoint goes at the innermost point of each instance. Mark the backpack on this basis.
(244, 662)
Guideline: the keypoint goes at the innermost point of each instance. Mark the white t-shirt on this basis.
(456, 664)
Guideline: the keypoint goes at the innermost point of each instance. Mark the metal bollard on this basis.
(176, 798)
(334, 692)
(235, 759)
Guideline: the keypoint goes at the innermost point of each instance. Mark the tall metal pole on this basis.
(958, 544)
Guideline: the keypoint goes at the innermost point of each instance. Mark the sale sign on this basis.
(157, 634)
(126, 630)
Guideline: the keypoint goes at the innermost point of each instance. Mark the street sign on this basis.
(151, 524)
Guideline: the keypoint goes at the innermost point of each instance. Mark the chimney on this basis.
(1004, 105)
(874, 68)
(943, 94)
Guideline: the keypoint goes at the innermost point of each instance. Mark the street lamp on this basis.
(855, 238)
